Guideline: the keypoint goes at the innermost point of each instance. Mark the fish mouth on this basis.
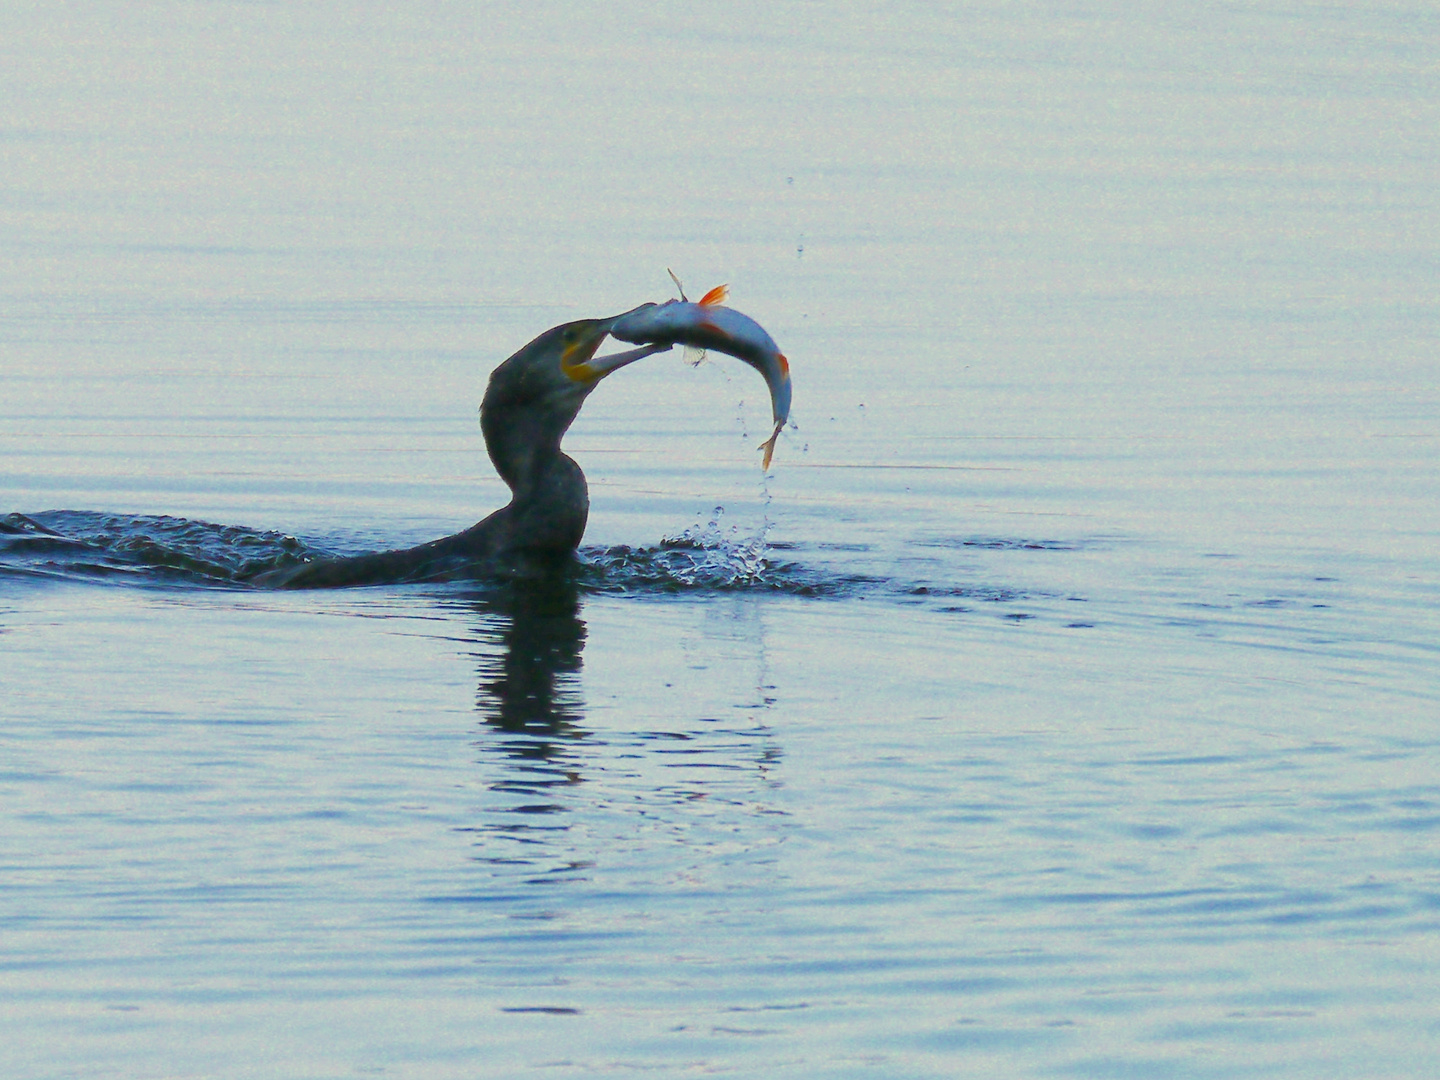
(610, 322)
(617, 327)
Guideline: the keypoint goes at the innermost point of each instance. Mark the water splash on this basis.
(724, 554)
(708, 556)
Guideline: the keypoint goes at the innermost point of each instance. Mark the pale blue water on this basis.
(1083, 718)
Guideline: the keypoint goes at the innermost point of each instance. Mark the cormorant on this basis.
(529, 404)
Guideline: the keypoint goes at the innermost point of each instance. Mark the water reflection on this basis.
(529, 695)
(531, 686)
(573, 797)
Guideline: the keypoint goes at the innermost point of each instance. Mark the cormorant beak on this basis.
(577, 355)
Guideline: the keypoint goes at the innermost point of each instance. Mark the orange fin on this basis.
(769, 447)
(718, 295)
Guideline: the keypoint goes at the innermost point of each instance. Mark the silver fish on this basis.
(707, 324)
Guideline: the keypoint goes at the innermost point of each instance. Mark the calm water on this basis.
(1066, 702)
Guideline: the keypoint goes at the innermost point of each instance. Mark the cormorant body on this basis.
(530, 402)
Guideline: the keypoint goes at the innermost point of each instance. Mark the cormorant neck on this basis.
(550, 501)
(550, 505)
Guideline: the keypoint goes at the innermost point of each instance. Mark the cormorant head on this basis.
(579, 342)
(561, 366)
(535, 395)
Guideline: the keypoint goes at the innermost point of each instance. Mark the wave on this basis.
(142, 548)
(164, 551)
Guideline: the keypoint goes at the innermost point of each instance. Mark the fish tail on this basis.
(769, 447)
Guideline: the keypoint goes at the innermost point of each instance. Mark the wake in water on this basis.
(148, 549)
(151, 550)
(143, 549)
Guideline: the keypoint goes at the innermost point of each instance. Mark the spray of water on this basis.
(720, 556)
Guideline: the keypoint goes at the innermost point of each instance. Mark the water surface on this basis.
(1063, 703)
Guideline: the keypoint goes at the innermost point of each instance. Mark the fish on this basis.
(708, 324)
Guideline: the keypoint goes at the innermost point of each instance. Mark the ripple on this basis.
(146, 548)
(709, 559)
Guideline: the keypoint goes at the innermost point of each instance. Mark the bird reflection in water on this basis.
(530, 687)
(529, 695)
(568, 798)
